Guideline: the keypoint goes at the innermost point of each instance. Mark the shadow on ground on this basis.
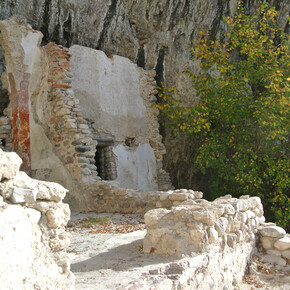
(120, 258)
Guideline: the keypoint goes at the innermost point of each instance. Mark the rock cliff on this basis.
(155, 34)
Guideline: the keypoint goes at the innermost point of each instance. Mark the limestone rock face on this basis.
(152, 33)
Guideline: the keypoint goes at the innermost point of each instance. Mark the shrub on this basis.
(240, 127)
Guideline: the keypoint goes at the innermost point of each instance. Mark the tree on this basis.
(240, 127)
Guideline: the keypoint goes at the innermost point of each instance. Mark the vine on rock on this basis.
(241, 125)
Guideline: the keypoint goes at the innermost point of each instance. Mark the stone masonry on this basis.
(214, 241)
(274, 242)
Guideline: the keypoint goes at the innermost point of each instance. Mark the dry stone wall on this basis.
(274, 242)
(215, 240)
(33, 239)
(196, 225)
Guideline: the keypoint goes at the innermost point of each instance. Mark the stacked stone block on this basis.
(69, 131)
(149, 92)
(197, 225)
(33, 239)
(171, 198)
(275, 243)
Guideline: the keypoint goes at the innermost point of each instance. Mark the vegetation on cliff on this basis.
(241, 125)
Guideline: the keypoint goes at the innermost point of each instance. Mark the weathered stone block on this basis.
(273, 231)
(58, 216)
(267, 243)
(153, 216)
(283, 244)
(204, 216)
(164, 196)
(228, 208)
(231, 240)
(9, 164)
(62, 111)
(23, 194)
(60, 242)
(178, 196)
(212, 235)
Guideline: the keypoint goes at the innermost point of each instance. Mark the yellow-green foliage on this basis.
(241, 125)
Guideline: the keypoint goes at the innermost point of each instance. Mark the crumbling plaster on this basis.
(111, 91)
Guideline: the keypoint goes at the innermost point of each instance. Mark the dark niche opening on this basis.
(105, 160)
(4, 96)
(4, 101)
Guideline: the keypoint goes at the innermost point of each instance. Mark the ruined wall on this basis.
(117, 97)
(26, 80)
(215, 239)
(33, 239)
(59, 144)
(154, 34)
(275, 244)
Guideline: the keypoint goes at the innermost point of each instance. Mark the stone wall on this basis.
(33, 239)
(216, 241)
(194, 226)
(117, 97)
(275, 244)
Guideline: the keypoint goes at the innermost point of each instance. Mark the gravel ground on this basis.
(106, 253)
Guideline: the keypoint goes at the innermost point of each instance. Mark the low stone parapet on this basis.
(197, 224)
(111, 198)
(274, 242)
(222, 233)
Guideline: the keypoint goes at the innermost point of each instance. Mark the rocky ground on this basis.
(106, 253)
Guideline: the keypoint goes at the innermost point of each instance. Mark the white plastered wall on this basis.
(110, 96)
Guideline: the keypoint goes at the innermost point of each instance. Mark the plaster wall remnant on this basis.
(33, 239)
(20, 54)
(117, 97)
